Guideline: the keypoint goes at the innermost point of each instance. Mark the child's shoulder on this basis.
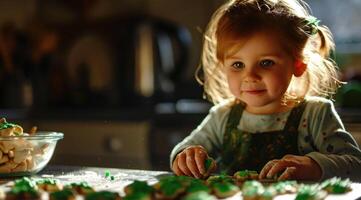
(317, 101)
(318, 104)
(223, 106)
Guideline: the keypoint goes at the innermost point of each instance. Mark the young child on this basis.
(267, 68)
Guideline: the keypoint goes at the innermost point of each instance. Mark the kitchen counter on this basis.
(122, 177)
(95, 176)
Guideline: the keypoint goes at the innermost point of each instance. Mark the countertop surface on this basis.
(96, 177)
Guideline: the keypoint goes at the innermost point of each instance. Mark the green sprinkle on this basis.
(107, 174)
(112, 178)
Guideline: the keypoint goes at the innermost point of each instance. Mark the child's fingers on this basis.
(279, 166)
(182, 164)
(175, 168)
(289, 173)
(191, 163)
(266, 169)
(200, 157)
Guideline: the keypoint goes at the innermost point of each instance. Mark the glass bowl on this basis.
(26, 154)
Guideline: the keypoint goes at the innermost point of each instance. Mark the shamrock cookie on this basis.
(138, 187)
(210, 166)
(310, 192)
(336, 185)
(244, 175)
(103, 195)
(81, 188)
(23, 189)
(49, 185)
(225, 189)
(66, 194)
(252, 190)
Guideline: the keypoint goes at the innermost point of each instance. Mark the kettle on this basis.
(157, 57)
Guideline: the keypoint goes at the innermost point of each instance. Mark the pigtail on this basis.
(326, 42)
(209, 73)
(322, 71)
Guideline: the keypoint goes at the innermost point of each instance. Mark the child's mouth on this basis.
(254, 92)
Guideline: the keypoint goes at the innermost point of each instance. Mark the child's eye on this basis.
(238, 65)
(266, 63)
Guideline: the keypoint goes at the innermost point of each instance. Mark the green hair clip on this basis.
(312, 23)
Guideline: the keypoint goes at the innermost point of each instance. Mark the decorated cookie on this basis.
(252, 190)
(49, 185)
(24, 189)
(225, 189)
(285, 187)
(81, 188)
(336, 185)
(269, 193)
(310, 192)
(244, 175)
(66, 194)
(103, 195)
(200, 195)
(223, 178)
(210, 166)
(138, 187)
(197, 185)
(138, 196)
(171, 187)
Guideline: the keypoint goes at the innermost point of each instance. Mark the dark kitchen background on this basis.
(117, 76)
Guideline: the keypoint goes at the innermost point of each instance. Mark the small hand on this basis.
(292, 167)
(191, 162)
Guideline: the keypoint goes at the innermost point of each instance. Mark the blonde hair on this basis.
(305, 40)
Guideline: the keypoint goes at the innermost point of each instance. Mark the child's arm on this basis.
(325, 145)
(323, 138)
(335, 150)
(209, 134)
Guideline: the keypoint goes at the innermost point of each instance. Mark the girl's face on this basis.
(259, 72)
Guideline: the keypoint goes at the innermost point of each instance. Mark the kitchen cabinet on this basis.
(101, 143)
(167, 131)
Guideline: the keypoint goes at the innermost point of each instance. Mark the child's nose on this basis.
(250, 75)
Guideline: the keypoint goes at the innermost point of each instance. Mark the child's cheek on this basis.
(235, 89)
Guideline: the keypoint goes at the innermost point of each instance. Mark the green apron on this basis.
(243, 150)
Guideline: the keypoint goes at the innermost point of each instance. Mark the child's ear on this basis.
(299, 68)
